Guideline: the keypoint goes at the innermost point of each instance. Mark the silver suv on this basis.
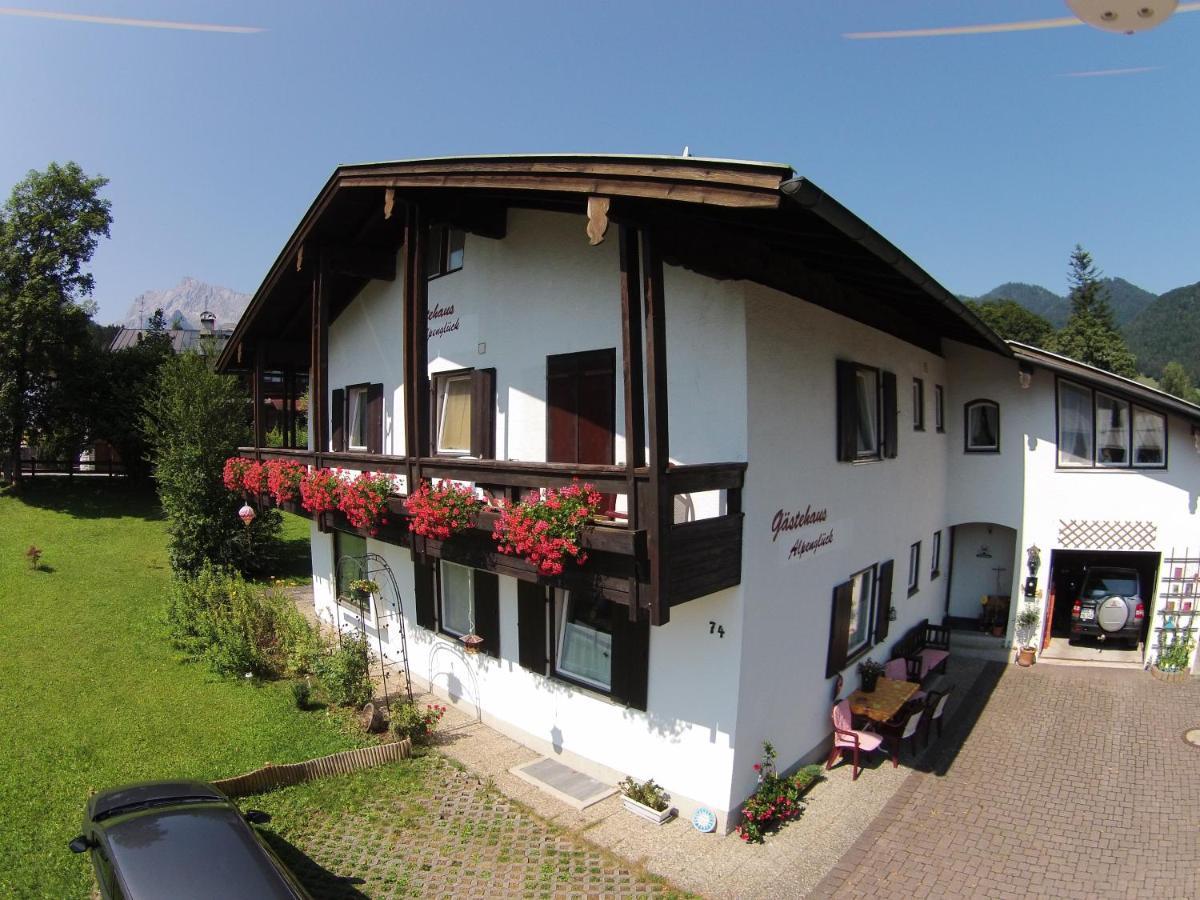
(1109, 606)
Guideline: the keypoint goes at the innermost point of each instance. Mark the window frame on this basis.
(852, 654)
(980, 402)
(353, 391)
(439, 381)
(918, 400)
(441, 599)
(935, 555)
(939, 409)
(1134, 409)
(562, 598)
(442, 233)
(339, 589)
(877, 452)
(914, 568)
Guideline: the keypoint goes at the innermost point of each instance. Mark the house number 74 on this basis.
(714, 628)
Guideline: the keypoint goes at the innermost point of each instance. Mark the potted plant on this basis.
(362, 590)
(1027, 623)
(646, 799)
(1173, 659)
(546, 532)
(442, 510)
(869, 671)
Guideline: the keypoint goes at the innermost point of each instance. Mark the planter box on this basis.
(1171, 677)
(645, 812)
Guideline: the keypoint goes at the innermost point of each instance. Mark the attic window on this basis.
(983, 426)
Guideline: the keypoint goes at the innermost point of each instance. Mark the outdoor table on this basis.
(885, 701)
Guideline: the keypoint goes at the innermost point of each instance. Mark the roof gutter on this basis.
(808, 195)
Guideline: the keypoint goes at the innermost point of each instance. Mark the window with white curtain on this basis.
(458, 614)
(866, 383)
(1112, 431)
(983, 426)
(454, 413)
(356, 400)
(862, 603)
(1074, 425)
(1149, 438)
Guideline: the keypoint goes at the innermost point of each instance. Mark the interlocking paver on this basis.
(463, 840)
(1073, 782)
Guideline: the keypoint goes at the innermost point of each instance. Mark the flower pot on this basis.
(646, 812)
(869, 680)
(997, 631)
(1026, 657)
(473, 643)
(360, 598)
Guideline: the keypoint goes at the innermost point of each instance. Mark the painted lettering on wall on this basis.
(793, 521)
(811, 540)
(443, 312)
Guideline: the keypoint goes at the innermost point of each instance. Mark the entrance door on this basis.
(581, 391)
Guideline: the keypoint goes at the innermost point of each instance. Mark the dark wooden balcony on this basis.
(699, 557)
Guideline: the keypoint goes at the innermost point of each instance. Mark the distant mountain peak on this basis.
(186, 301)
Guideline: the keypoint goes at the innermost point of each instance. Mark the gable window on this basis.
(982, 421)
(866, 412)
(935, 556)
(584, 643)
(445, 251)
(1096, 429)
(939, 408)
(914, 568)
(918, 404)
(356, 417)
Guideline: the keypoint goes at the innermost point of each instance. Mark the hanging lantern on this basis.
(246, 514)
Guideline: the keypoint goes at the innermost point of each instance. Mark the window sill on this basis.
(1116, 470)
(913, 590)
(983, 452)
(933, 576)
(591, 691)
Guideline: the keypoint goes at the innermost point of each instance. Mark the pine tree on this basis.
(1090, 334)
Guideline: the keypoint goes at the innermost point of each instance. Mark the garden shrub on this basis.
(413, 722)
(344, 672)
(777, 799)
(236, 626)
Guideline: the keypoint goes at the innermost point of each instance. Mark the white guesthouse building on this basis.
(779, 403)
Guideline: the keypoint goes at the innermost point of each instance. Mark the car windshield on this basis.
(1106, 584)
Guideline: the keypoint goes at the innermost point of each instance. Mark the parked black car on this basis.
(1109, 606)
(183, 840)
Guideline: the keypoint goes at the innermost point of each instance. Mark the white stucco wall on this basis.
(876, 510)
(543, 290)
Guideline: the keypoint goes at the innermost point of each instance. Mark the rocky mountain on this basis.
(185, 302)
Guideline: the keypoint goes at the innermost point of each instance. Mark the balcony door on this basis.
(581, 392)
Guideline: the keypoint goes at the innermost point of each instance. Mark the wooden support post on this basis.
(256, 397)
(631, 371)
(660, 499)
(416, 344)
(318, 387)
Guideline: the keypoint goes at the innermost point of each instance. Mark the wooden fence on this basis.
(71, 467)
(270, 777)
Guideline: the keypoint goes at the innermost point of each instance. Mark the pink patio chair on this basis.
(896, 669)
(845, 737)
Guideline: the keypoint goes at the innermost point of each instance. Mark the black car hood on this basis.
(133, 795)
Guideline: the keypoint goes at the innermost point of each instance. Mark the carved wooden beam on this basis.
(363, 262)
(597, 214)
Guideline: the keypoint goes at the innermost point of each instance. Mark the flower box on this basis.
(646, 812)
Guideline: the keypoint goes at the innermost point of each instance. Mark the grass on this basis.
(91, 694)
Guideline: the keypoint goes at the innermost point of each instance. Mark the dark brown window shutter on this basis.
(839, 629)
(375, 418)
(630, 657)
(847, 412)
(883, 601)
(891, 415)
(424, 599)
(486, 594)
(483, 413)
(337, 420)
(531, 626)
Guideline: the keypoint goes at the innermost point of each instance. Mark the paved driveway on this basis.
(1072, 782)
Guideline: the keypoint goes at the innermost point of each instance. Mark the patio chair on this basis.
(903, 726)
(845, 737)
(896, 669)
(935, 703)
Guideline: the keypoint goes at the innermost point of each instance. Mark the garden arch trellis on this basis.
(368, 567)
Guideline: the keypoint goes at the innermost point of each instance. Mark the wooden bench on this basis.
(926, 647)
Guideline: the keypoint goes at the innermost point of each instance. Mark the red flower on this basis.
(547, 531)
(283, 479)
(442, 510)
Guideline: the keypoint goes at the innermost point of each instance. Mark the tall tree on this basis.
(49, 228)
(1090, 334)
(1176, 380)
(1012, 321)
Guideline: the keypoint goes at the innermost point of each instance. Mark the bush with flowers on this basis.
(410, 721)
(441, 510)
(547, 531)
(283, 479)
(364, 500)
(320, 490)
(776, 800)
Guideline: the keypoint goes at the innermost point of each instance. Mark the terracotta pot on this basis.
(1027, 657)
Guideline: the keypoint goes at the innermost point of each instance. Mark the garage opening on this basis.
(1109, 631)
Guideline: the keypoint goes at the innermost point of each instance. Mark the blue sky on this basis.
(978, 156)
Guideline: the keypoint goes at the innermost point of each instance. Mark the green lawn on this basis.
(91, 694)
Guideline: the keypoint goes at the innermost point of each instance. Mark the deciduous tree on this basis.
(1013, 322)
